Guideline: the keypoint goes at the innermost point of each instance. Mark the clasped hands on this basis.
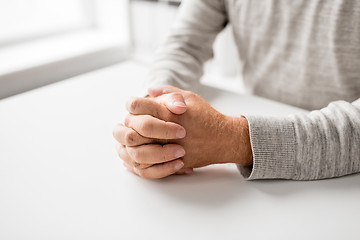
(174, 131)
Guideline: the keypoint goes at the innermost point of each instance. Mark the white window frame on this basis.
(32, 64)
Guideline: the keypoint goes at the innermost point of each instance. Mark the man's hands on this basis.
(135, 148)
(162, 135)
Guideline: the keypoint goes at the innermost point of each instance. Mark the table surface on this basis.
(60, 177)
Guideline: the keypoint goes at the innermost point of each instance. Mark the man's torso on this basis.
(305, 53)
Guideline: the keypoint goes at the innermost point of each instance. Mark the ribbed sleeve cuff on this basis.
(273, 146)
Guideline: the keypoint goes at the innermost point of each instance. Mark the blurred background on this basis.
(45, 41)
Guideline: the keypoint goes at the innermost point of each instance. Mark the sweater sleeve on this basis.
(321, 144)
(179, 61)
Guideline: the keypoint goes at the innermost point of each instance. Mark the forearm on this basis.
(322, 144)
(329, 141)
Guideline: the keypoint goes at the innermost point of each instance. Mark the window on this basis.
(23, 20)
(44, 41)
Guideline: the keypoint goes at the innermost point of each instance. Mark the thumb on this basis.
(175, 102)
(158, 91)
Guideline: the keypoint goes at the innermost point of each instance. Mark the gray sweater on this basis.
(300, 52)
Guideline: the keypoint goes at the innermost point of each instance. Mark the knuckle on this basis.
(133, 104)
(166, 153)
(135, 155)
(135, 165)
(189, 94)
(155, 108)
(142, 173)
(130, 138)
(156, 111)
(144, 166)
(147, 128)
(127, 120)
(177, 95)
(168, 130)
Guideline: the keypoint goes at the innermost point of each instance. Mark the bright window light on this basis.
(44, 41)
(21, 20)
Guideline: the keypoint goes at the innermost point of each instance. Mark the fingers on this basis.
(143, 125)
(151, 127)
(145, 106)
(174, 102)
(124, 155)
(159, 170)
(157, 91)
(129, 137)
(155, 153)
(152, 171)
(185, 171)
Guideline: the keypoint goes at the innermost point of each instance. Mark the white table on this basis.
(60, 177)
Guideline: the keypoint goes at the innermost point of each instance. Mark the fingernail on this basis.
(178, 165)
(179, 104)
(180, 133)
(179, 153)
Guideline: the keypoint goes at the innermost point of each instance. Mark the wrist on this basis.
(240, 141)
